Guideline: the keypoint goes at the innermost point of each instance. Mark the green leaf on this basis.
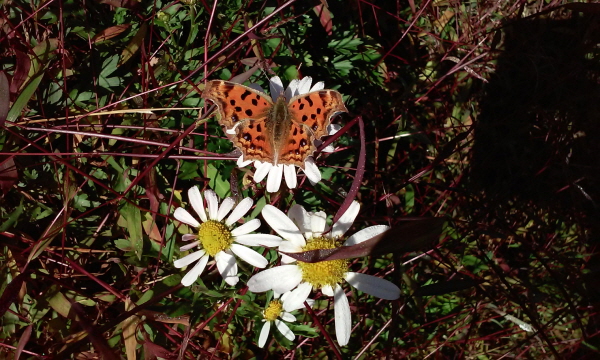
(217, 182)
(24, 98)
(260, 204)
(12, 219)
(132, 215)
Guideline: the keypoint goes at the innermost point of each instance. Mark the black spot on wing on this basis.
(246, 94)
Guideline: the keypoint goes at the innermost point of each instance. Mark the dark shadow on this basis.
(538, 134)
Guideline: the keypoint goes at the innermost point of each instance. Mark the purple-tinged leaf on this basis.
(4, 97)
(8, 173)
(415, 235)
(358, 176)
(21, 74)
(23, 340)
(11, 292)
(110, 33)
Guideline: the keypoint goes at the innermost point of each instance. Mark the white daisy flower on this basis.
(272, 314)
(306, 231)
(277, 172)
(218, 237)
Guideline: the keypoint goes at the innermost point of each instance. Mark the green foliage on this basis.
(94, 92)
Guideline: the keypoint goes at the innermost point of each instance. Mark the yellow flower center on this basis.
(273, 310)
(323, 273)
(214, 237)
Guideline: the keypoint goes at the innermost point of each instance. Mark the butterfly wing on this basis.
(243, 113)
(310, 114)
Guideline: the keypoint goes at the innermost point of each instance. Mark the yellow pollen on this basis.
(273, 310)
(322, 273)
(214, 237)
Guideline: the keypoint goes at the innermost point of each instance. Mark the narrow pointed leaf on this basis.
(415, 235)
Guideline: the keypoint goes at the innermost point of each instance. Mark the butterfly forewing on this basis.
(236, 102)
(316, 109)
(244, 110)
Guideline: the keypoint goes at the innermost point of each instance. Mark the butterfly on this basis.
(277, 132)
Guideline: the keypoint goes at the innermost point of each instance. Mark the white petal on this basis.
(274, 179)
(292, 89)
(289, 172)
(318, 221)
(301, 218)
(226, 264)
(297, 297)
(213, 204)
(366, 234)
(197, 203)
(280, 279)
(188, 259)
(284, 330)
(318, 86)
(276, 87)
(241, 163)
(343, 321)
(232, 280)
(262, 170)
(225, 208)
(373, 285)
(264, 240)
(185, 217)
(304, 85)
(256, 87)
(248, 255)
(289, 247)
(288, 317)
(246, 228)
(264, 334)
(333, 128)
(282, 225)
(189, 237)
(346, 220)
(193, 274)
(312, 170)
(327, 290)
(240, 210)
(189, 246)
(287, 259)
(328, 149)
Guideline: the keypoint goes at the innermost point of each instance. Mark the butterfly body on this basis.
(280, 132)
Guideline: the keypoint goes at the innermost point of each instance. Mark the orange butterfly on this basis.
(276, 135)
